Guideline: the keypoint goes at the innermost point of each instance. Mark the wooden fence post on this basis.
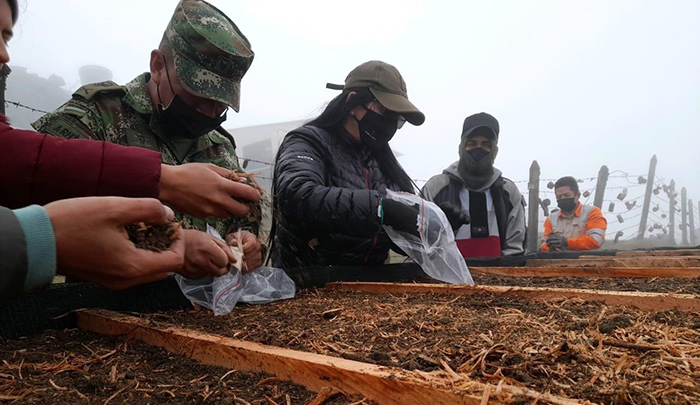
(672, 211)
(533, 187)
(647, 198)
(691, 222)
(4, 72)
(684, 216)
(600, 186)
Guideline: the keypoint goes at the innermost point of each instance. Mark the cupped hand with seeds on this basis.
(93, 245)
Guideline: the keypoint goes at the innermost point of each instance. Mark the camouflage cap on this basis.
(210, 53)
(387, 86)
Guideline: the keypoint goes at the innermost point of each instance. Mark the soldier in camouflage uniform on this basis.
(178, 107)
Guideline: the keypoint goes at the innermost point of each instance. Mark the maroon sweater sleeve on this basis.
(38, 168)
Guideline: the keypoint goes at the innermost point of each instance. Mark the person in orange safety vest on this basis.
(574, 226)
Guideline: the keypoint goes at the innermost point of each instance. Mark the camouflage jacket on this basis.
(124, 115)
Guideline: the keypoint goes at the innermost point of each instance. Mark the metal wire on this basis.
(20, 105)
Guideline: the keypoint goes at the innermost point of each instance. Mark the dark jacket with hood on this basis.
(509, 204)
(327, 190)
(13, 251)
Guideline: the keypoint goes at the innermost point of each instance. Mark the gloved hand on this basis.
(454, 214)
(401, 217)
(556, 241)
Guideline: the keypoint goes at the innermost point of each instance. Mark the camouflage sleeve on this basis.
(223, 154)
(78, 118)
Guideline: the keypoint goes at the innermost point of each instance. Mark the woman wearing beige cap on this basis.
(332, 173)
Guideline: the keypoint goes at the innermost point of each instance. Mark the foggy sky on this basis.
(574, 85)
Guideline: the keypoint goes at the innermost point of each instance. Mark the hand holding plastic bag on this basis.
(432, 244)
(220, 294)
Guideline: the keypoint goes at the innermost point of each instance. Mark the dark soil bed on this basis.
(659, 284)
(66, 367)
(571, 348)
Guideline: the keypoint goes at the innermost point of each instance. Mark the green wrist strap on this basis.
(381, 210)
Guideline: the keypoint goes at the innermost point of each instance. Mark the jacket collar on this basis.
(453, 172)
(137, 96)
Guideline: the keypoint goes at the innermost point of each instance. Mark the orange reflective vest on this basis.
(589, 221)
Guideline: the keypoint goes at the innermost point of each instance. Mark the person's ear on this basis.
(157, 66)
(351, 94)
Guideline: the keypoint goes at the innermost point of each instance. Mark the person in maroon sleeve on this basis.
(84, 238)
(38, 168)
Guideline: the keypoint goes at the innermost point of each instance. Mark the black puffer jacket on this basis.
(327, 189)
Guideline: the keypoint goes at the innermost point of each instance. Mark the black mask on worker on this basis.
(476, 161)
(180, 120)
(375, 129)
(478, 154)
(566, 204)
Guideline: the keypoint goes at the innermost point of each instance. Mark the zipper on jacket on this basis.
(364, 168)
(376, 235)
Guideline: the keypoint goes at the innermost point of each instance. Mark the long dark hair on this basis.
(14, 9)
(332, 118)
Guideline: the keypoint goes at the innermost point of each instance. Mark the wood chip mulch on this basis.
(571, 348)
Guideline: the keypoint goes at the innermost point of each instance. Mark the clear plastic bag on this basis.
(435, 250)
(220, 294)
(267, 284)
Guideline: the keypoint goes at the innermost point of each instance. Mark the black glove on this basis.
(455, 215)
(556, 241)
(402, 217)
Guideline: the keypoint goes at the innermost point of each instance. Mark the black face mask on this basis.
(375, 129)
(566, 204)
(478, 154)
(180, 120)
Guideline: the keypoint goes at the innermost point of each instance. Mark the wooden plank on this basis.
(606, 272)
(387, 385)
(642, 300)
(632, 261)
(669, 252)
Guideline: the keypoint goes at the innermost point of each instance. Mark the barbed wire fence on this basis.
(663, 218)
(639, 208)
(622, 204)
(26, 107)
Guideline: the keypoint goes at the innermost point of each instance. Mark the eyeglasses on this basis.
(400, 119)
(377, 107)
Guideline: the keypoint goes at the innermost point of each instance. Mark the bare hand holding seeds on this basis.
(92, 244)
(205, 190)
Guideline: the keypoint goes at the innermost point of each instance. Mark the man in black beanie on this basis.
(486, 210)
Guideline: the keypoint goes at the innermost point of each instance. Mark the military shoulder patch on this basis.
(64, 127)
(72, 109)
(90, 90)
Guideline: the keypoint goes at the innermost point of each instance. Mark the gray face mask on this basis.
(475, 167)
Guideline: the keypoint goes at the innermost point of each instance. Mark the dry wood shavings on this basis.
(569, 348)
(660, 284)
